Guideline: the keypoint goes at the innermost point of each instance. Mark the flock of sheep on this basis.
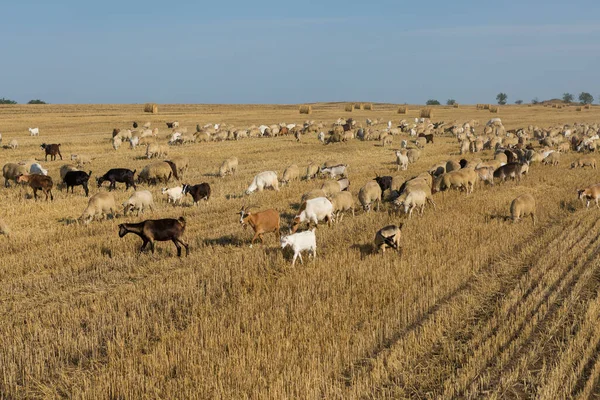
(514, 153)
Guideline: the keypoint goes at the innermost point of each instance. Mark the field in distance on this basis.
(475, 306)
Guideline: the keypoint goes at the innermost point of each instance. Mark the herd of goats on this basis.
(514, 153)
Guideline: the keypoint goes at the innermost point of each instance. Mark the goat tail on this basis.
(182, 221)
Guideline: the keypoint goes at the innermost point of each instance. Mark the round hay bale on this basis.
(349, 107)
(368, 106)
(486, 106)
(151, 108)
(456, 105)
(494, 109)
(358, 106)
(426, 113)
(402, 110)
(578, 109)
(305, 109)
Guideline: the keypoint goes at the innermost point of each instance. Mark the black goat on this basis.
(77, 178)
(122, 175)
(160, 230)
(198, 192)
(170, 125)
(135, 125)
(51, 150)
(428, 137)
(384, 182)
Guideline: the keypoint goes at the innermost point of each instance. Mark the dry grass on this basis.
(151, 108)
(305, 109)
(475, 307)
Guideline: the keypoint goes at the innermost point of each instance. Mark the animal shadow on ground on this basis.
(570, 206)
(499, 217)
(233, 196)
(225, 240)
(67, 221)
(365, 249)
(211, 175)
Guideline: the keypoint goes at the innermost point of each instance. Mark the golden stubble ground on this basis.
(475, 306)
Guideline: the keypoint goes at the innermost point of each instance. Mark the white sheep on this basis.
(523, 206)
(401, 161)
(134, 142)
(138, 201)
(369, 194)
(264, 180)
(291, 173)
(301, 241)
(116, 142)
(99, 205)
(342, 201)
(229, 166)
(174, 194)
(414, 199)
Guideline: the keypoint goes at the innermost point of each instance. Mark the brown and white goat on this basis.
(38, 182)
(589, 194)
(262, 222)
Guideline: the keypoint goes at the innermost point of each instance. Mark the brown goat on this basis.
(51, 150)
(262, 222)
(38, 182)
(160, 230)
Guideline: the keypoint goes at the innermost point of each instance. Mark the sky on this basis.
(288, 52)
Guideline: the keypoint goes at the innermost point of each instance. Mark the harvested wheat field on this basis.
(474, 306)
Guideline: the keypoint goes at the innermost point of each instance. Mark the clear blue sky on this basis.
(279, 51)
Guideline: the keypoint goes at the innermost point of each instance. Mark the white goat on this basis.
(34, 131)
(174, 194)
(314, 210)
(301, 241)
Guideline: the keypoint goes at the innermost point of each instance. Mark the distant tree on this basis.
(450, 102)
(36, 101)
(586, 98)
(501, 98)
(432, 102)
(568, 97)
(535, 100)
(7, 101)
(519, 102)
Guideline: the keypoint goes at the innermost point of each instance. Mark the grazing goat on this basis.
(34, 131)
(198, 192)
(589, 194)
(261, 222)
(384, 182)
(313, 210)
(160, 230)
(388, 236)
(77, 178)
(38, 182)
(114, 175)
(335, 170)
(301, 241)
(51, 150)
